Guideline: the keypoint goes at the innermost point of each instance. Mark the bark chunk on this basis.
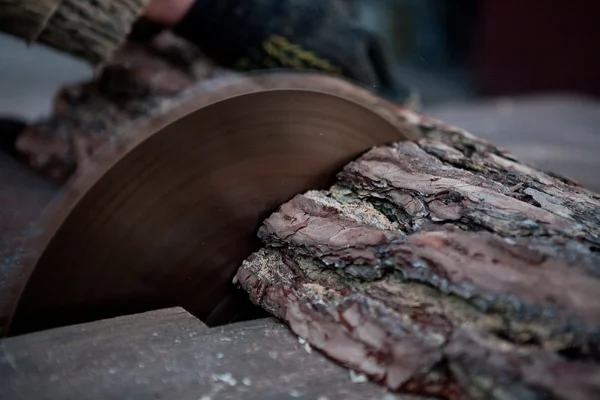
(441, 267)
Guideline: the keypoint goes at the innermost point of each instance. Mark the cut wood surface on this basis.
(169, 354)
(442, 267)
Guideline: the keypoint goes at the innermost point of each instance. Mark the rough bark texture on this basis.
(142, 81)
(25, 18)
(442, 267)
(92, 30)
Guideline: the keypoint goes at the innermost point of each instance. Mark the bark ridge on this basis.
(441, 267)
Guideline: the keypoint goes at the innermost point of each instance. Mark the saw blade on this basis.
(166, 219)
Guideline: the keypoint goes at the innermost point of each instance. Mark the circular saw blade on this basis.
(166, 219)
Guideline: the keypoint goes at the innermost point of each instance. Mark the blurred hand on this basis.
(167, 12)
(300, 34)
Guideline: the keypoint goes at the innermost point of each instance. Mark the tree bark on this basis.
(91, 30)
(442, 267)
(142, 81)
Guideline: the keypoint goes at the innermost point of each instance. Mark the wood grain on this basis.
(168, 354)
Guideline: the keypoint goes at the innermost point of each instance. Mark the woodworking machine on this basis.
(165, 217)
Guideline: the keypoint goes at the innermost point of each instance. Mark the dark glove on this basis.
(10, 129)
(300, 34)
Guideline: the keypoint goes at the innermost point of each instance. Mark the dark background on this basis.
(522, 74)
(494, 47)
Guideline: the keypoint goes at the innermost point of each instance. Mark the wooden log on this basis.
(442, 267)
(142, 81)
(513, 124)
(168, 354)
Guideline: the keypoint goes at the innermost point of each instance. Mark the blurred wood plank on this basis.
(169, 354)
(24, 194)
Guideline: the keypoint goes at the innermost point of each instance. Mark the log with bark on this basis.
(145, 78)
(442, 267)
(439, 267)
(151, 74)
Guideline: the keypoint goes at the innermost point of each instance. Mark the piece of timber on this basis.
(442, 267)
(252, 143)
(513, 124)
(143, 80)
(169, 354)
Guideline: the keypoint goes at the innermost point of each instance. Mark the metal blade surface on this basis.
(169, 221)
